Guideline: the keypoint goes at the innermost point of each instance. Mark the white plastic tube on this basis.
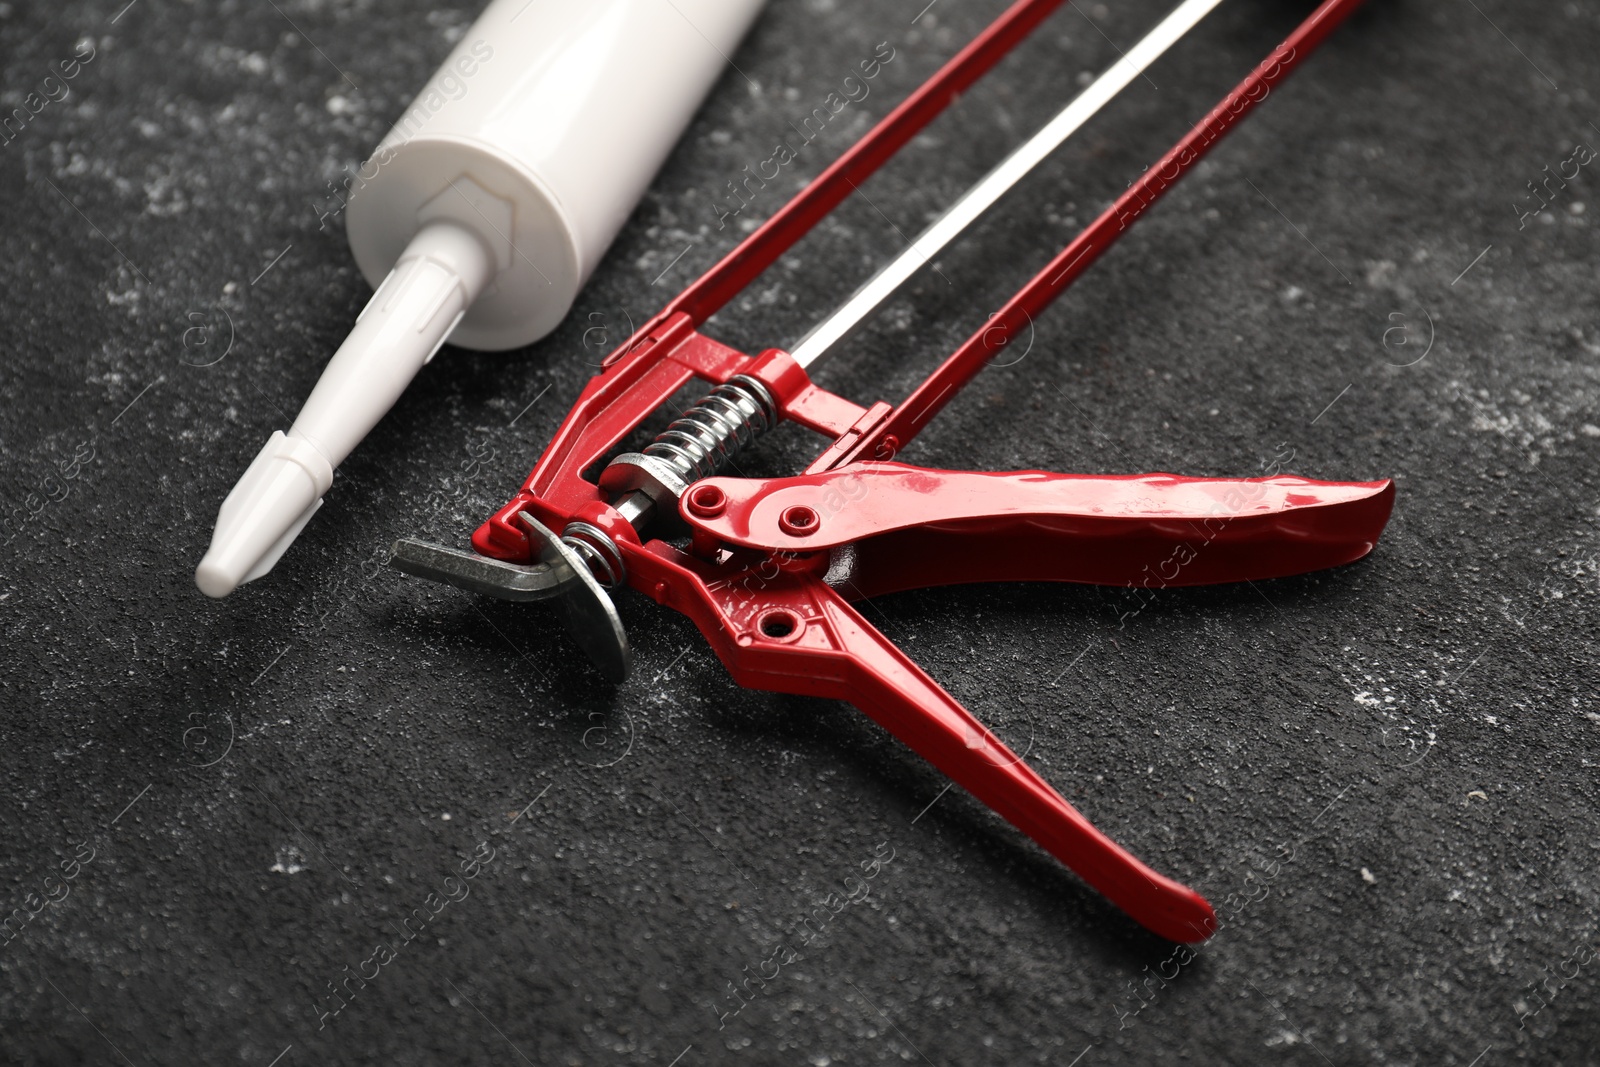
(481, 215)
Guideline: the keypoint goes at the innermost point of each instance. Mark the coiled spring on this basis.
(731, 416)
(598, 551)
(692, 447)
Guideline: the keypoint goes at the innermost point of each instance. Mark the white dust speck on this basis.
(1380, 273)
(289, 861)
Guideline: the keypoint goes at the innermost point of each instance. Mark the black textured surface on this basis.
(1384, 775)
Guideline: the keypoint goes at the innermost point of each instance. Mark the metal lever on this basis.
(517, 582)
(562, 574)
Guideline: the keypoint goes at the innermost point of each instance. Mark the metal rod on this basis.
(975, 201)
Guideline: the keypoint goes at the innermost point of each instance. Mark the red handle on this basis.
(913, 527)
(788, 632)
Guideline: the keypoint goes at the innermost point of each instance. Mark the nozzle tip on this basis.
(263, 515)
(214, 579)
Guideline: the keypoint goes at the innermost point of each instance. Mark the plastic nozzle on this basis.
(442, 271)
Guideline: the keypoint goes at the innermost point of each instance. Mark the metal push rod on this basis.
(823, 338)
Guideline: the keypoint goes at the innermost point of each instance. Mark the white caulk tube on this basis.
(479, 218)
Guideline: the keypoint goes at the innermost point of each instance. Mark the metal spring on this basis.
(694, 446)
(598, 551)
(708, 434)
